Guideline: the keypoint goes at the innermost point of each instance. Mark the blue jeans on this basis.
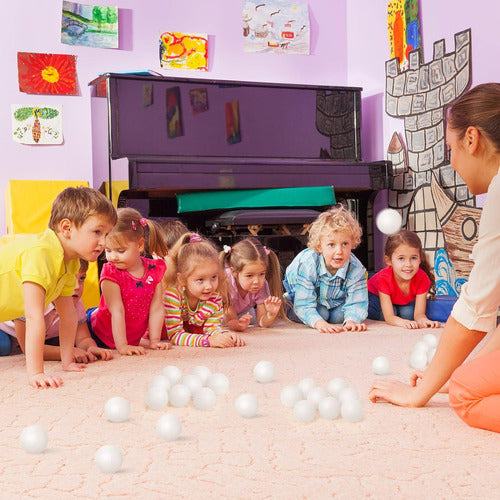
(334, 316)
(5, 344)
(375, 311)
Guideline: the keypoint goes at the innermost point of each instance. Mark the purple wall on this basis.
(348, 44)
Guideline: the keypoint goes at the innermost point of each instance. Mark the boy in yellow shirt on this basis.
(38, 269)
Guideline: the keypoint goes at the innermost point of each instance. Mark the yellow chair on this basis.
(117, 188)
(28, 204)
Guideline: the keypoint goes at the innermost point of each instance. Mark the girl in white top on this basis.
(473, 136)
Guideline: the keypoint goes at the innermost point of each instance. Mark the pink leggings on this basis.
(474, 392)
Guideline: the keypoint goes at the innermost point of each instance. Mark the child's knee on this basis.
(5, 344)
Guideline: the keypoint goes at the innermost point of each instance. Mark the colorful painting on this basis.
(199, 100)
(183, 50)
(276, 26)
(233, 133)
(47, 73)
(36, 125)
(89, 25)
(174, 117)
(403, 29)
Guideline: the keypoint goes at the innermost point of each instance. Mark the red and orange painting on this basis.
(47, 73)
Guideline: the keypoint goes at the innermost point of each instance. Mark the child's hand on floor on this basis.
(419, 375)
(99, 352)
(226, 339)
(324, 327)
(162, 346)
(427, 323)
(82, 356)
(40, 380)
(351, 326)
(130, 350)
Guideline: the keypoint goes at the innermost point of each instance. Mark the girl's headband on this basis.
(226, 248)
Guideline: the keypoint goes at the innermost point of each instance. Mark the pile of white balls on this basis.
(423, 351)
(338, 399)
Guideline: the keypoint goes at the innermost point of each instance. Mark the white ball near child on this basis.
(304, 411)
(329, 407)
(418, 359)
(156, 397)
(246, 405)
(204, 398)
(431, 340)
(389, 221)
(169, 427)
(173, 373)
(192, 381)
(352, 410)
(108, 458)
(289, 395)
(33, 439)
(381, 365)
(161, 381)
(264, 372)
(336, 385)
(179, 395)
(316, 394)
(202, 372)
(117, 409)
(348, 393)
(218, 382)
(305, 385)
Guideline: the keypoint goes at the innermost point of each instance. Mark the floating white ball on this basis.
(304, 411)
(156, 397)
(336, 385)
(179, 395)
(264, 372)
(348, 393)
(305, 385)
(381, 365)
(34, 439)
(173, 373)
(246, 405)
(202, 372)
(193, 382)
(160, 381)
(316, 394)
(389, 221)
(430, 339)
(204, 398)
(418, 359)
(169, 427)
(218, 382)
(421, 346)
(290, 394)
(108, 458)
(352, 410)
(329, 407)
(117, 409)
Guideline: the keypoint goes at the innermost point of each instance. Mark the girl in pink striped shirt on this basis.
(194, 306)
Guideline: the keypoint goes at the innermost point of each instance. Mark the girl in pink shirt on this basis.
(398, 293)
(131, 301)
(253, 281)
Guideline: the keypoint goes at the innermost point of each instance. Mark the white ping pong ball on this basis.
(33, 439)
(218, 382)
(246, 405)
(304, 411)
(264, 372)
(108, 458)
(117, 409)
(169, 427)
(290, 394)
(156, 397)
(204, 398)
(179, 395)
(336, 385)
(173, 373)
(381, 365)
(352, 410)
(329, 407)
(389, 221)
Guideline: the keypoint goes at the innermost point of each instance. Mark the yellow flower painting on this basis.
(183, 50)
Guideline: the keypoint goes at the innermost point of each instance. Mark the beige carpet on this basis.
(393, 453)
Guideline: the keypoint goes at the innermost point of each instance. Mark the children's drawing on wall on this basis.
(403, 29)
(233, 133)
(199, 100)
(36, 125)
(276, 26)
(184, 50)
(431, 196)
(47, 73)
(89, 25)
(174, 117)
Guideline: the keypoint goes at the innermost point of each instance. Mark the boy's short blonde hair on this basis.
(337, 219)
(78, 204)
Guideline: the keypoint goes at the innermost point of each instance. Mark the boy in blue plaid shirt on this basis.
(326, 284)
